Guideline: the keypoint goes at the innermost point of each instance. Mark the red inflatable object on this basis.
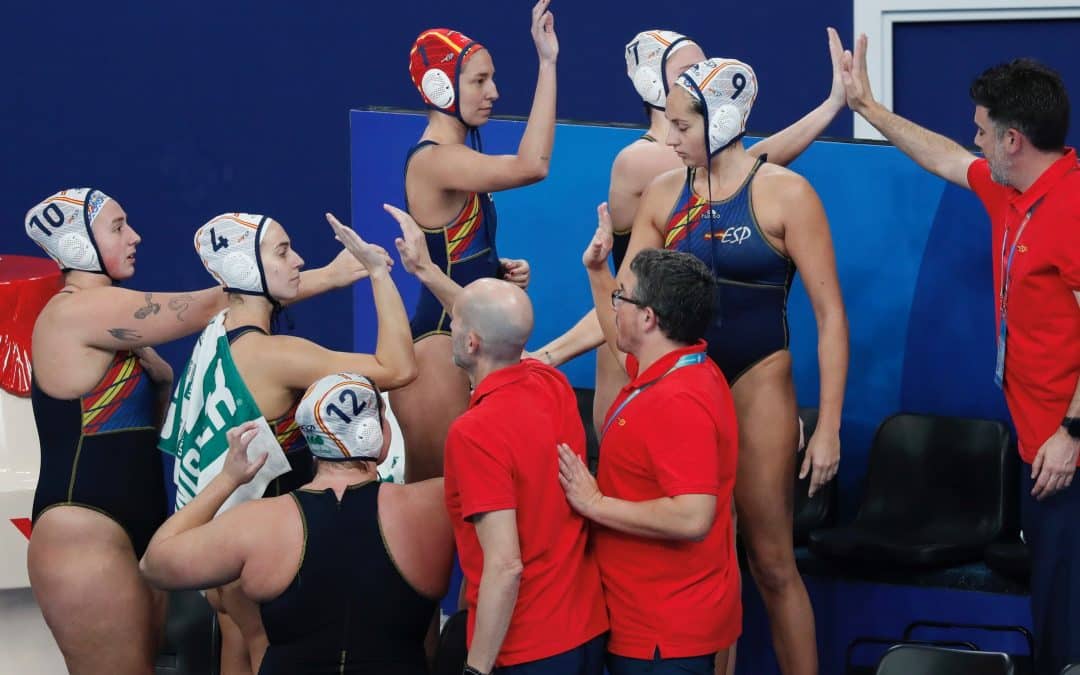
(26, 284)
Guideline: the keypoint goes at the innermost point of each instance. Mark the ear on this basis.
(649, 319)
(473, 342)
(1014, 140)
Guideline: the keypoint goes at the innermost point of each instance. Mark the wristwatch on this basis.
(1072, 426)
(469, 670)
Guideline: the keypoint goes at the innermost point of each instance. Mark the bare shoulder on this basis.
(259, 515)
(421, 500)
(290, 344)
(669, 182)
(641, 162)
(431, 157)
(778, 182)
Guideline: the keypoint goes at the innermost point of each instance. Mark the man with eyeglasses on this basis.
(667, 470)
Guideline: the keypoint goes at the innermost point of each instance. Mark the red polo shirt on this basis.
(501, 454)
(1042, 356)
(676, 437)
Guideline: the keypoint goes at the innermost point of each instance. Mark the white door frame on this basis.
(876, 18)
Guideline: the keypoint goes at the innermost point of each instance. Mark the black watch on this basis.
(469, 670)
(1072, 426)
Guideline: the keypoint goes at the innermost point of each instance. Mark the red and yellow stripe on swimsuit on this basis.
(461, 235)
(116, 403)
(683, 221)
(287, 431)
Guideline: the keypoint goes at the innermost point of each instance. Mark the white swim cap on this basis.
(726, 90)
(228, 246)
(646, 58)
(61, 226)
(340, 416)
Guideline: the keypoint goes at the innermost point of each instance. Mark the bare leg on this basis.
(425, 408)
(86, 580)
(764, 495)
(725, 659)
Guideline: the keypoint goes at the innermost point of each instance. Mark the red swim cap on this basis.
(435, 66)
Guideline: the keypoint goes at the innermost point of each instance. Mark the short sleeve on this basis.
(482, 471)
(992, 195)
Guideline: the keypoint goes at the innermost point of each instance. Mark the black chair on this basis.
(817, 512)
(192, 643)
(1008, 555)
(934, 495)
(451, 653)
(1073, 669)
(1022, 662)
(925, 660)
(1010, 558)
(854, 666)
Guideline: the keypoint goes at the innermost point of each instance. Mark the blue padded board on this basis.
(912, 256)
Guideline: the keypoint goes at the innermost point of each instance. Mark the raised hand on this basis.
(373, 257)
(855, 77)
(837, 95)
(411, 245)
(596, 254)
(543, 32)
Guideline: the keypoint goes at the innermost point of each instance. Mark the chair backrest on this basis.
(192, 644)
(452, 651)
(950, 471)
(925, 660)
(1072, 669)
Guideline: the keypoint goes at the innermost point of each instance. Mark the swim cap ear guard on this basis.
(646, 60)
(228, 246)
(61, 225)
(726, 90)
(341, 418)
(435, 63)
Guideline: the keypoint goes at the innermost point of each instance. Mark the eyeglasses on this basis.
(618, 295)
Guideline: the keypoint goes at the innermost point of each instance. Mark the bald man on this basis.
(533, 590)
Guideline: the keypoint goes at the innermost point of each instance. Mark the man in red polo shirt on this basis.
(1029, 183)
(533, 590)
(668, 452)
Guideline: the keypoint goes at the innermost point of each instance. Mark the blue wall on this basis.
(913, 257)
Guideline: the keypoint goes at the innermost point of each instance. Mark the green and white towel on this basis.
(210, 399)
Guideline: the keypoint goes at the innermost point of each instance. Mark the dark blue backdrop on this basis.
(186, 110)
